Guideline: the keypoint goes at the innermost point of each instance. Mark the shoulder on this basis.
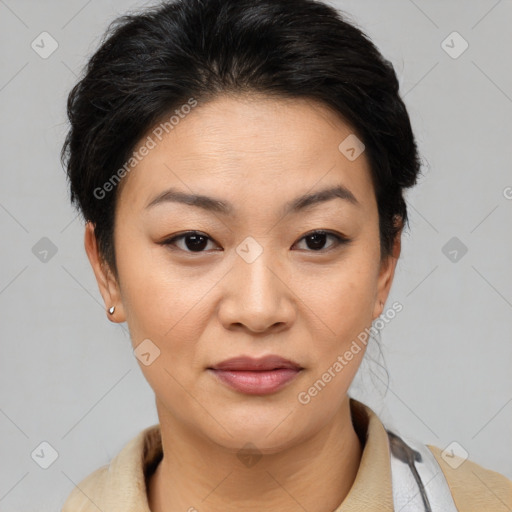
(121, 485)
(90, 491)
(473, 487)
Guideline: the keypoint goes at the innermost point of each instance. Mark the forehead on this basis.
(249, 146)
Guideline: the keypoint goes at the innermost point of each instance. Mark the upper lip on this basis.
(271, 362)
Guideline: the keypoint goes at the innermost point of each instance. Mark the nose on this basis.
(257, 296)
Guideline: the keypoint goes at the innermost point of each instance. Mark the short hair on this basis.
(153, 62)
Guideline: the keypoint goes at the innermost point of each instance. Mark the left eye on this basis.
(316, 240)
(197, 242)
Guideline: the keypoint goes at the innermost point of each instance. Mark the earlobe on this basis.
(105, 279)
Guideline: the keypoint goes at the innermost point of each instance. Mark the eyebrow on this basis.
(216, 205)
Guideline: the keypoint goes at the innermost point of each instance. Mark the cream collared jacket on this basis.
(121, 486)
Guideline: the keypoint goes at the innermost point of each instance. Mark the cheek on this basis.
(345, 307)
(344, 298)
(159, 298)
(172, 318)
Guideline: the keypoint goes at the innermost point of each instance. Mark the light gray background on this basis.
(69, 377)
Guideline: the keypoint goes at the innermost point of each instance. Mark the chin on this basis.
(251, 441)
(270, 431)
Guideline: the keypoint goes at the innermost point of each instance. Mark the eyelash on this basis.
(339, 240)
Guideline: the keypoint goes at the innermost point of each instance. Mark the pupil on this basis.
(318, 240)
(198, 242)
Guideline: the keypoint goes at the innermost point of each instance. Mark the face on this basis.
(254, 272)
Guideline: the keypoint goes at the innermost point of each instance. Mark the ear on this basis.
(386, 274)
(107, 283)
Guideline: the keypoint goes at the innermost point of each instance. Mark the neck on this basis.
(315, 475)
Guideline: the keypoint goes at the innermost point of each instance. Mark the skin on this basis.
(200, 308)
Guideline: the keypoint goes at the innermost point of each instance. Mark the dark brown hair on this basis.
(153, 62)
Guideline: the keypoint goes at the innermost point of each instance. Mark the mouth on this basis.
(256, 376)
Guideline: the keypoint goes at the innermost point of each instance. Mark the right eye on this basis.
(191, 241)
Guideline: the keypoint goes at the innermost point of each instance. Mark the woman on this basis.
(241, 168)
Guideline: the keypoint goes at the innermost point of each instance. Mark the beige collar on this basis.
(122, 485)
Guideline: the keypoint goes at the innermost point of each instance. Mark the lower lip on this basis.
(257, 382)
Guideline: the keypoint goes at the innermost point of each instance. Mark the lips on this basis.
(266, 363)
(256, 376)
